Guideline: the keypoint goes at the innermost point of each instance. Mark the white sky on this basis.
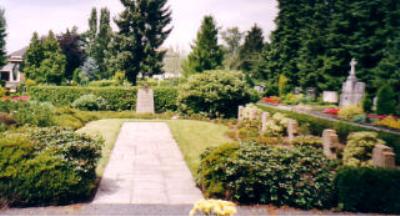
(26, 16)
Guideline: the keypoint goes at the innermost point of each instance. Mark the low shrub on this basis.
(349, 112)
(104, 83)
(165, 99)
(33, 113)
(276, 125)
(47, 166)
(258, 174)
(293, 99)
(2, 92)
(342, 128)
(90, 102)
(6, 119)
(312, 141)
(215, 93)
(369, 189)
(358, 150)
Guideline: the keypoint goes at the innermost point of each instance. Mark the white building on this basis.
(11, 73)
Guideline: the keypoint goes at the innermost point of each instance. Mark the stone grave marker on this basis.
(353, 91)
(330, 97)
(240, 113)
(292, 129)
(145, 100)
(331, 145)
(383, 156)
(264, 118)
(311, 93)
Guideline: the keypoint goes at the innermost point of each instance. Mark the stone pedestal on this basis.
(264, 118)
(145, 101)
(383, 156)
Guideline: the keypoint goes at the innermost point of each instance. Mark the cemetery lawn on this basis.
(193, 137)
(107, 129)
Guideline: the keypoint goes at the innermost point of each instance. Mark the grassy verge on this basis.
(193, 137)
(108, 130)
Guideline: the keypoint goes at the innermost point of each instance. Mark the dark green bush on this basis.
(215, 93)
(387, 100)
(258, 174)
(343, 129)
(165, 99)
(369, 190)
(47, 166)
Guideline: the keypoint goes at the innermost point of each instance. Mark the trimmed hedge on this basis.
(369, 189)
(118, 98)
(343, 129)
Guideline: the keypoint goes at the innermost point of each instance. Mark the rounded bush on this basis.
(47, 166)
(90, 102)
(259, 174)
(359, 147)
(215, 93)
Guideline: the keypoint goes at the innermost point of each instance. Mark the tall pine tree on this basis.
(251, 50)
(233, 40)
(103, 40)
(91, 34)
(3, 35)
(143, 27)
(206, 53)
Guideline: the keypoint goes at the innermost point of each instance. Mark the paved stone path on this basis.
(146, 167)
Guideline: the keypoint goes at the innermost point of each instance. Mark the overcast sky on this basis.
(26, 16)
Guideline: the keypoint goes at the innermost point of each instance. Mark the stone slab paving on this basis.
(146, 167)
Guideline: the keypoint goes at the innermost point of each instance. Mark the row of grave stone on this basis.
(382, 156)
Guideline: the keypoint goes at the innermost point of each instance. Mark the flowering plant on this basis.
(214, 207)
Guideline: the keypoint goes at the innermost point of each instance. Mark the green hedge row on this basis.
(369, 190)
(118, 98)
(343, 129)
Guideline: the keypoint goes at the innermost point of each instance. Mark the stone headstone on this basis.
(292, 129)
(264, 119)
(240, 113)
(145, 100)
(353, 91)
(330, 141)
(383, 156)
(374, 103)
(330, 97)
(298, 90)
(259, 88)
(311, 93)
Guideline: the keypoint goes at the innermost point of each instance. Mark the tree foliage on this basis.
(44, 61)
(315, 40)
(251, 50)
(3, 34)
(233, 40)
(206, 53)
(143, 27)
(70, 43)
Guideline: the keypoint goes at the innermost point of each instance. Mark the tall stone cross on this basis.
(353, 64)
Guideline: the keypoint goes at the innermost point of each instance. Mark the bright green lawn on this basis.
(107, 129)
(193, 137)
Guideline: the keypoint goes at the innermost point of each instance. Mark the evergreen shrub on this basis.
(47, 166)
(215, 93)
(90, 102)
(386, 103)
(260, 174)
(367, 189)
(359, 146)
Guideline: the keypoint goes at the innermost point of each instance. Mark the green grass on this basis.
(107, 129)
(193, 137)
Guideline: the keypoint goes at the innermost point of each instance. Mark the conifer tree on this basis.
(143, 27)
(103, 40)
(206, 53)
(3, 34)
(91, 34)
(44, 61)
(251, 50)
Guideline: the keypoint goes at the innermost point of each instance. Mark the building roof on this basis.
(9, 67)
(19, 53)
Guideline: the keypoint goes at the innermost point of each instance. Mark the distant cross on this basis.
(353, 64)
